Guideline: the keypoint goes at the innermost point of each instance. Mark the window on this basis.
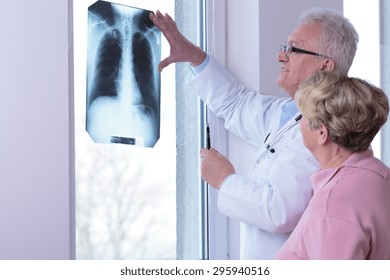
(137, 202)
(385, 67)
(367, 62)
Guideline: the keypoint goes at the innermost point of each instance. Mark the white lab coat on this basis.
(272, 198)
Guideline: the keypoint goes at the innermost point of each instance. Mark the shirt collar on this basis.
(364, 160)
(289, 110)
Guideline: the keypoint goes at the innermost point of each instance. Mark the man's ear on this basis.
(327, 65)
(323, 135)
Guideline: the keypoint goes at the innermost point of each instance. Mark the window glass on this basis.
(366, 64)
(385, 47)
(125, 194)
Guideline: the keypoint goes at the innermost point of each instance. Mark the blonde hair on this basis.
(352, 109)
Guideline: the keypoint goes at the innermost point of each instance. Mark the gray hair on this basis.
(338, 39)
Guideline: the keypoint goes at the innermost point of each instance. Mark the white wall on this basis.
(36, 173)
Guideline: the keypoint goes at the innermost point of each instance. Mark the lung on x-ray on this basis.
(123, 83)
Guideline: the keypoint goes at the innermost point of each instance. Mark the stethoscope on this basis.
(280, 134)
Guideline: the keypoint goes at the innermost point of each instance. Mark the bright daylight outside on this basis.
(125, 194)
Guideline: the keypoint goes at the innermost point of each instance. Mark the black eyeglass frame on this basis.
(285, 48)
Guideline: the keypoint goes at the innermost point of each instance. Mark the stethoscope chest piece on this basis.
(280, 134)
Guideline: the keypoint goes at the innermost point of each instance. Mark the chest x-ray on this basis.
(123, 83)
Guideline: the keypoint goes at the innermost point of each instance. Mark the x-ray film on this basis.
(123, 83)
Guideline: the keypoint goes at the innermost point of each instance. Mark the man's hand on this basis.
(215, 167)
(181, 49)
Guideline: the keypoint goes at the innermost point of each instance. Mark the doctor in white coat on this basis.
(270, 200)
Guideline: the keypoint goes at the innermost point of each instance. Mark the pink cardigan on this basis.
(348, 216)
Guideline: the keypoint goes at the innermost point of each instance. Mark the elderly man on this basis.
(271, 199)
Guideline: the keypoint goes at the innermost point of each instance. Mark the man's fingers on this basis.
(166, 25)
(164, 63)
(203, 152)
(170, 22)
(165, 21)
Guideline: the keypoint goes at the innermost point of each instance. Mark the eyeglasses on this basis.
(288, 50)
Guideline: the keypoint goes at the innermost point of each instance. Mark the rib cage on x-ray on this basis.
(123, 84)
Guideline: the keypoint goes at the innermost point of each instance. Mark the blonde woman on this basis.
(348, 216)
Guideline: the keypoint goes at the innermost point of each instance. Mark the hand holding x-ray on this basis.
(181, 49)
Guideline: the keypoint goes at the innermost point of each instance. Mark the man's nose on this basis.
(282, 56)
